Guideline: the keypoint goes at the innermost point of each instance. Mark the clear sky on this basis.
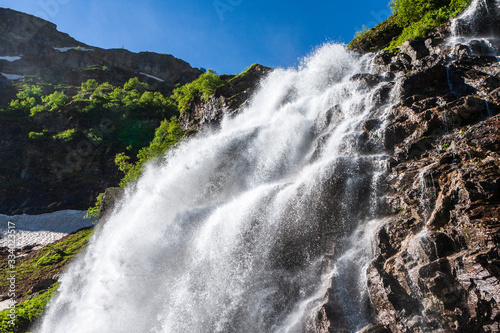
(224, 35)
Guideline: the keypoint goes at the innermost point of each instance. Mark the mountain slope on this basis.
(56, 57)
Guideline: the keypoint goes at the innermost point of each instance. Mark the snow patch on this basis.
(10, 59)
(5, 304)
(153, 77)
(41, 229)
(66, 49)
(12, 76)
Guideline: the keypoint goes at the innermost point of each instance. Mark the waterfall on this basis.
(246, 228)
(240, 227)
(480, 19)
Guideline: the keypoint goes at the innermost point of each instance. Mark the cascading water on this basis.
(480, 19)
(247, 227)
(233, 232)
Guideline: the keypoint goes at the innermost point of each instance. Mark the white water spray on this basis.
(230, 233)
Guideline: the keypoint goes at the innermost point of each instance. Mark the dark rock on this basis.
(366, 80)
(416, 49)
(226, 100)
(43, 285)
(371, 124)
(110, 199)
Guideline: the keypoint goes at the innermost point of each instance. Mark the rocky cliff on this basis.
(437, 257)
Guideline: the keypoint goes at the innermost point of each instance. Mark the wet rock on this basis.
(366, 80)
(110, 199)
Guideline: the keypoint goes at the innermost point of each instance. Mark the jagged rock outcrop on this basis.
(226, 100)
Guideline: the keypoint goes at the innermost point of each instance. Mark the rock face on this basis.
(57, 58)
(437, 256)
(226, 100)
(437, 266)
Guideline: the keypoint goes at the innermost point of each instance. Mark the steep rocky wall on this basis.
(437, 266)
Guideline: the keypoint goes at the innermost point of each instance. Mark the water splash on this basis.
(230, 233)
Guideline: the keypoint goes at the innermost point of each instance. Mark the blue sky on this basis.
(224, 35)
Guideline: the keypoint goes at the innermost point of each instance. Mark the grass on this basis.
(26, 312)
(39, 265)
(49, 260)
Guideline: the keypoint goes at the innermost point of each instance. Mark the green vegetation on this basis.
(26, 312)
(38, 135)
(205, 86)
(93, 212)
(28, 97)
(418, 17)
(55, 100)
(167, 135)
(89, 85)
(134, 83)
(66, 135)
(36, 267)
(43, 264)
(411, 19)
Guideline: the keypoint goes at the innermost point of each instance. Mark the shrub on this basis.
(37, 109)
(134, 83)
(89, 85)
(55, 100)
(66, 135)
(27, 98)
(205, 85)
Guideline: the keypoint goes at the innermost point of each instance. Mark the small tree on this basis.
(134, 83)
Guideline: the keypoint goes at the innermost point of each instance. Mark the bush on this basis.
(205, 85)
(66, 135)
(166, 135)
(134, 83)
(55, 100)
(90, 85)
(27, 98)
